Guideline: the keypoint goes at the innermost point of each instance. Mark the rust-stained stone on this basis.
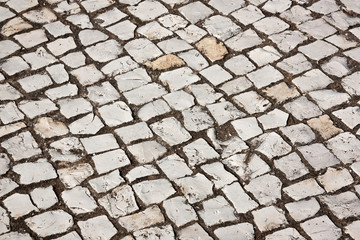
(165, 62)
(212, 49)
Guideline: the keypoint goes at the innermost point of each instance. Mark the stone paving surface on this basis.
(179, 119)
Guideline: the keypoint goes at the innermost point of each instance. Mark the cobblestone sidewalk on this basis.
(179, 119)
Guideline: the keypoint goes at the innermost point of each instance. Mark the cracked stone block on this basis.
(106, 182)
(252, 102)
(266, 189)
(292, 166)
(174, 162)
(146, 218)
(66, 149)
(178, 211)
(115, 114)
(98, 227)
(148, 151)
(153, 109)
(204, 93)
(173, 22)
(286, 233)
(191, 33)
(241, 231)
(216, 211)
(345, 146)
(50, 223)
(29, 172)
(163, 232)
(334, 179)
(79, 200)
(133, 79)
(321, 228)
(318, 50)
(269, 218)
(144, 94)
(196, 119)
(140, 172)
(303, 189)
(44, 198)
(171, 131)
(271, 145)
(21, 146)
(119, 202)
(303, 209)
(195, 11)
(342, 205)
(219, 176)
(144, 190)
(247, 167)
(154, 31)
(241, 201)
(6, 186)
(142, 50)
(19, 205)
(192, 232)
(195, 188)
(199, 152)
(299, 134)
(75, 175)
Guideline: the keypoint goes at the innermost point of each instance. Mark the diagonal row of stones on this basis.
(179, 119)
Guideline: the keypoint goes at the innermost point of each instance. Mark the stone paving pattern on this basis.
(179, 119)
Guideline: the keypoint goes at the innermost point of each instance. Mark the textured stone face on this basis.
(179, 119)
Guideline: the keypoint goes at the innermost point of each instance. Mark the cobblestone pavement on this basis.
(179, 119)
